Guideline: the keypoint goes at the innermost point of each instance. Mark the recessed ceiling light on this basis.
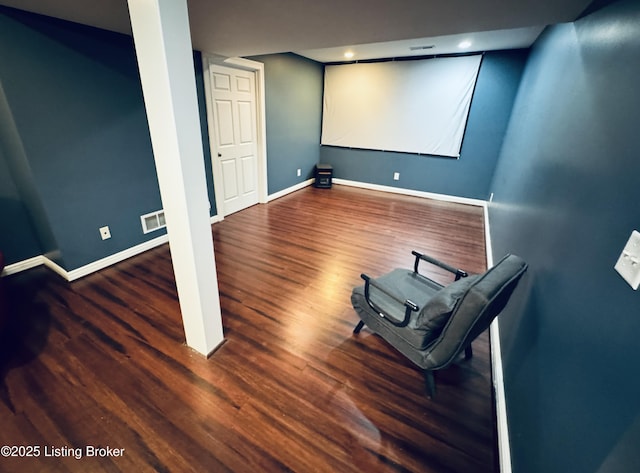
(348, 54)
(464, 44)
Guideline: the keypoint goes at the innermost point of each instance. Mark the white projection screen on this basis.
(414, 106)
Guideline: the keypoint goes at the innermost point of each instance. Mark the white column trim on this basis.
(164, 52)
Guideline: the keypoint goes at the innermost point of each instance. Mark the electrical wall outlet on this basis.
(396, 176)
(628, 265)
(105, 233)
(299, 172)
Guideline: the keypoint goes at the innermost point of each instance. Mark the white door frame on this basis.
(209, 60)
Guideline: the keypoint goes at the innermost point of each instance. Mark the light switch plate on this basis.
(628, 264)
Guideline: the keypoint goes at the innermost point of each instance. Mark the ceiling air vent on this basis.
(421, 48)
(153, 221)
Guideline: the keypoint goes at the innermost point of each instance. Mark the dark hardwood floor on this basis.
(102, 362)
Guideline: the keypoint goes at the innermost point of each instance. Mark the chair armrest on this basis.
(419, 256)
(409, 306)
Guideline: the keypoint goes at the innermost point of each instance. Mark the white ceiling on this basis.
(322, 29)
(448, 44)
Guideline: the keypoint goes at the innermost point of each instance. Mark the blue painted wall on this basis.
(17, 233)
(76, 155)
(470, 176)
(567, 189)
(293, 101)
(73, 97)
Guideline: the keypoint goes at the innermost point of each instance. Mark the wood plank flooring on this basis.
(101, 361)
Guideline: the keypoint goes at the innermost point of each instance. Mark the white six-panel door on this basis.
(235, 140)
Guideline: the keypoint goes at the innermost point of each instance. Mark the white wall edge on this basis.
(504, 448)
(22, 265)
(414, 193)
(291, 189)
(216, 218)
(487, 237)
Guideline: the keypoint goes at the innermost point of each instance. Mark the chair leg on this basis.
(358, 327)
(430, 383)
(468, 352)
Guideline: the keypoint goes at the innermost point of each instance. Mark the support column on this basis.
(165, 60)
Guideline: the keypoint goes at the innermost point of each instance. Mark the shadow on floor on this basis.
(26, 326)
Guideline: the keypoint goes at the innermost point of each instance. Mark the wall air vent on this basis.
(153, 221)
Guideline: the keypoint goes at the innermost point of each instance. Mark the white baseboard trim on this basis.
(89, 268)
(115, 258)
(504, 448)
(289, 190)
(22, 265)
(414, 193)
(55, 267)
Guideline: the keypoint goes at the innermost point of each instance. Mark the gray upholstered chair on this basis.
(429, 323)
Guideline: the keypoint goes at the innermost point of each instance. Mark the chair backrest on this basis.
(475, 310)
